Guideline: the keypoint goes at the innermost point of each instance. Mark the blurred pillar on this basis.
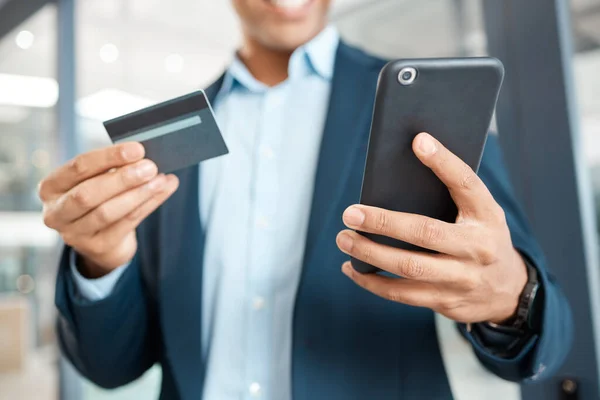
(460, 24)
(538, 125)
(70, 385)
(66, 72)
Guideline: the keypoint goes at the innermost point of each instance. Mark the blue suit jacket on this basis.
(347, 343)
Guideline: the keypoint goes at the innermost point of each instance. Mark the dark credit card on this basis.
(176, 134)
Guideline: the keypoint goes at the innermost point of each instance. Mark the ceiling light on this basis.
(24, 39)
(109, 53)
(28, 91)
(174, 63)
(25, 229)
(110, 103)
(13, 115)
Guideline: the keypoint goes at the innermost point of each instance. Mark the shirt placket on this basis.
(261, 262)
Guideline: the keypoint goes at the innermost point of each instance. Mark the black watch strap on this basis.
(528, 316)
(527, 301)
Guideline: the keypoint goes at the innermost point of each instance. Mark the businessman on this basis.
(230, 274)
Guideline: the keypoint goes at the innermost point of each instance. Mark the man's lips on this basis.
(293, 9)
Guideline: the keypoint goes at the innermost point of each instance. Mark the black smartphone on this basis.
(451, 99)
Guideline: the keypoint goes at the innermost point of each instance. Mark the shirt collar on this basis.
(321, 51)
(315, 57)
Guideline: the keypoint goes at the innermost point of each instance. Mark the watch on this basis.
(529, 311)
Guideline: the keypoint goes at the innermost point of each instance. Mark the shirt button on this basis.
(267, 152)
(262, 222)
(258, 303)
(254, 389)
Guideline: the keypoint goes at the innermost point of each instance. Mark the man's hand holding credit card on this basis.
(176, 134)
(97, 200)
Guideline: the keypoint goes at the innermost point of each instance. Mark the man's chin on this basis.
(288, 38)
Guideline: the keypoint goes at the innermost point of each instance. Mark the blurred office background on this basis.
(133, 53)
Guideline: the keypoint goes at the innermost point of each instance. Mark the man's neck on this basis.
(266, 65)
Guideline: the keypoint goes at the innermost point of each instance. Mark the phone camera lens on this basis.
(407, 76)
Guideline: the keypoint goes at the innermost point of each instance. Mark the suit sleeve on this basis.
(542, 355)
(94, 289)
(111, 341)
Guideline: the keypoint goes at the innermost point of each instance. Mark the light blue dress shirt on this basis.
(255, 208)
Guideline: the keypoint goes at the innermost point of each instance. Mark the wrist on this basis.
(509, 313)
(90, 269)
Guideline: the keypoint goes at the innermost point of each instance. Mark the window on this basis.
(586, 35)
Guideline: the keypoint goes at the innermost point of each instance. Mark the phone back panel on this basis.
(454, 101)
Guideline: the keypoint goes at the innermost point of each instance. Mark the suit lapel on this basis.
(213, 89)
(346, 128)
(322, 328)
(181, 249)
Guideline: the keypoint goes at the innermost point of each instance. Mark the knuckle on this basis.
(366, 251)
(410, 267)
(449, 305)
(393, 295)
(48, 218)
(78, 166)
(382, 222)
(71, 238)
(437, 300)
(42, 189)
(82, 197)
(470, 283)
(485, 253)
(468, 178)
(429, 232)
(103, 215)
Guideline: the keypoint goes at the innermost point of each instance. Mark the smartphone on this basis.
(451, 99)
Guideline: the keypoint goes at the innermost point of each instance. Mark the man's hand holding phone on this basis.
(476, 276)
(97, 200)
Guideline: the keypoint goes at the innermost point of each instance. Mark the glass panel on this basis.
(28, 94)
(134, 53)
(586, 35)
(412, 29)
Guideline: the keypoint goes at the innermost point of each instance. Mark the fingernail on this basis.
(157, 184)
(172, 179)
(146, 169)
(427, 144)
(346, 268)
(132, 151)
(345, 242)
(353, 216)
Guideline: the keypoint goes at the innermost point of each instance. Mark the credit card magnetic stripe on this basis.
(161, 130)
(157, 116)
